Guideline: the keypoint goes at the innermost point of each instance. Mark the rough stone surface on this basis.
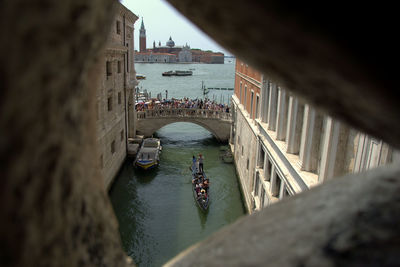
(330, 53)
(54, 210)
(349, 221)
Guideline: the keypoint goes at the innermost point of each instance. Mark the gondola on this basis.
(201, 194)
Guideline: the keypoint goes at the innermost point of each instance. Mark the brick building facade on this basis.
(283, 146)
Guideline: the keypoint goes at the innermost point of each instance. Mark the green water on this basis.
(157, 214)
(156, 210)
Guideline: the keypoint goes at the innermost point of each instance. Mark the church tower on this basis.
(142, 38)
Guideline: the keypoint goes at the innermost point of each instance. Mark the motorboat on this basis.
(140, 77)
(169, 73)
(148, 156)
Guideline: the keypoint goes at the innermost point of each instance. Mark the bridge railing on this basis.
(184, 112)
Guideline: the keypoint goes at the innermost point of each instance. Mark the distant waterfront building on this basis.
(283, 146)
(151, 57)
(185, 55)
(114, 104)
(170, 53)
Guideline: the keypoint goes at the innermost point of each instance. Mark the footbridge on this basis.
(216, 121)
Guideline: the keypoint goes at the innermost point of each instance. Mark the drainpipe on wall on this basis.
(125, 70)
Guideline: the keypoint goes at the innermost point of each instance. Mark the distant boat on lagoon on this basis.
(178, 73)
(140, 77)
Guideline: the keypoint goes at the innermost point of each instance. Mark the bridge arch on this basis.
(218, 124)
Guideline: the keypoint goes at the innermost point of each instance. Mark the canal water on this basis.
(158, 216)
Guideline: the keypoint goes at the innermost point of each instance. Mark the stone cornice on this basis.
(249, 79)
(122, 10)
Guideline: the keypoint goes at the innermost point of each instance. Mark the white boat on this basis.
(148, 156)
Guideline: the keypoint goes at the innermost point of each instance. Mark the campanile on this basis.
(142, 38)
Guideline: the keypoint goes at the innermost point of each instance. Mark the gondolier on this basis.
(200, 163)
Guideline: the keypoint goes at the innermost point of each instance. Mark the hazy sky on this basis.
(161, 21)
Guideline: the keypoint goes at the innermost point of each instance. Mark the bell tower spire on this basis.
(142, 38)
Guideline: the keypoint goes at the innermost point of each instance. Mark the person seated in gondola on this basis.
(206, 183)
(203, 193)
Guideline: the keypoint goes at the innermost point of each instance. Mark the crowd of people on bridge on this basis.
(207, 104)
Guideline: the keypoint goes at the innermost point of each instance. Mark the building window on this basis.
(245, 97)
(113, 147)
(119, 97)
(109, 103)
(262, 198)
(277, 187)
(257, 108)
(247, 164)
(101, 162)
(119, 66)
(108, 68)
(240, 92)
(242, 150)
(268, 170)
(257, 184)
(251, 105)
(118, 27)
(122, 135)
(261, 158)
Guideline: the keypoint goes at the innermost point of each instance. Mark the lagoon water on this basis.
(157, 214)
(213, 75)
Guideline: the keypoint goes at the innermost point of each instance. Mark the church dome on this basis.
(170, 43)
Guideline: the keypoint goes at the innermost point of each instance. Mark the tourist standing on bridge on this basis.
(200, 163)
